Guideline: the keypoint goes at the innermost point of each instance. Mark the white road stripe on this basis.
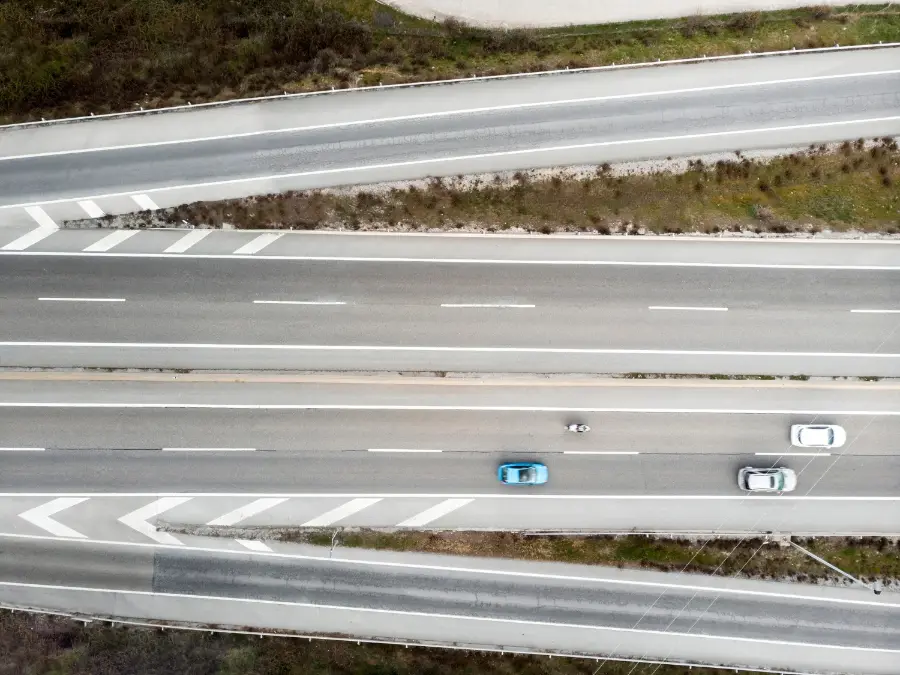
(22, 449)
(110, 241)
(187, 241)
(875, 311)
(178, 405)
(257, 244)
(30, 239)
(341, 512)
(297, 302)
(254, 545)
(246, 511)
(473, 306)
(137, 519)
(144, 202)
(91, 209)
(596, 452)
(515, 494)
(459, 111)
(41, 218)
(689, 309)
(82, 299)
(435, 512)
(209, 449)
(450, 350)
(480, 261)
(793, 454)
(535, 150)
(41, 516)
(400, 450)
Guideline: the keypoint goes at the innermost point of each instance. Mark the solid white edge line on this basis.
(793, 454)
(597, 452)
(446, 113)
(411, 495)
(440, 408)
(401, 450)
(208, 449)
(82, 299)
(689, 309)
(436, 349)
(23, 449)
(5, 251)
(268, 179)
(875, 311)
(470, 570)
(485, 306)
(296, 302)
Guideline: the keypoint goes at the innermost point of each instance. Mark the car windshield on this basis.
(526, 475)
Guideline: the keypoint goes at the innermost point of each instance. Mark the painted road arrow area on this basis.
(41, 517)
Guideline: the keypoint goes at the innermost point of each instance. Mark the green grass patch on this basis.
(71, 58)
(44, 645)
(854, 187)
(867, 558)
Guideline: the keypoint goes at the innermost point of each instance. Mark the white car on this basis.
(775, 479)
(818, 436)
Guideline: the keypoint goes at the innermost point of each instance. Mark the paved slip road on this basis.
(677, 307)
(123, 165)
(539, 13)
(474, 602)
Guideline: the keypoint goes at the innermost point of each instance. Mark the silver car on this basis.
(780, 479)
(818, 436)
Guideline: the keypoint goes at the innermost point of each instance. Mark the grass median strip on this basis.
(100, 56)
(868, 558)
(846, 187)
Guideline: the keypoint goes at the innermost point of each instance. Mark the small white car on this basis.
(775, 479)
(818, 436)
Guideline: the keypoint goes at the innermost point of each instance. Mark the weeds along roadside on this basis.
(99, 56)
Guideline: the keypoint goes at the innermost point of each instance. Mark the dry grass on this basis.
(39, 645)
(867, 558)
(69, 58)
(853, 187)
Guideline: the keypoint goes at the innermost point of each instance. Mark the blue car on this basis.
(523, 473)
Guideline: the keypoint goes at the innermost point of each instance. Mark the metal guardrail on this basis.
(432, 83)
(161, 625)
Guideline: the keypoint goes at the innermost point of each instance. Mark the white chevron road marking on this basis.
(137, 520)
(41, 516)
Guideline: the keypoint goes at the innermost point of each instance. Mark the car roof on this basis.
(816, 435)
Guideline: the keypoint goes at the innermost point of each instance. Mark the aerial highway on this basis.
(386, 452)
(544, 305)
(466, 602)
(52, 173)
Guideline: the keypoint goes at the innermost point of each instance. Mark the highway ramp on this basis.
(384, 135)
(475, 603)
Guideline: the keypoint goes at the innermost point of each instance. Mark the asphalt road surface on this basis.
(385, 135)
(539, 13)
(367, 451)
(478, 602)
(352, 315)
